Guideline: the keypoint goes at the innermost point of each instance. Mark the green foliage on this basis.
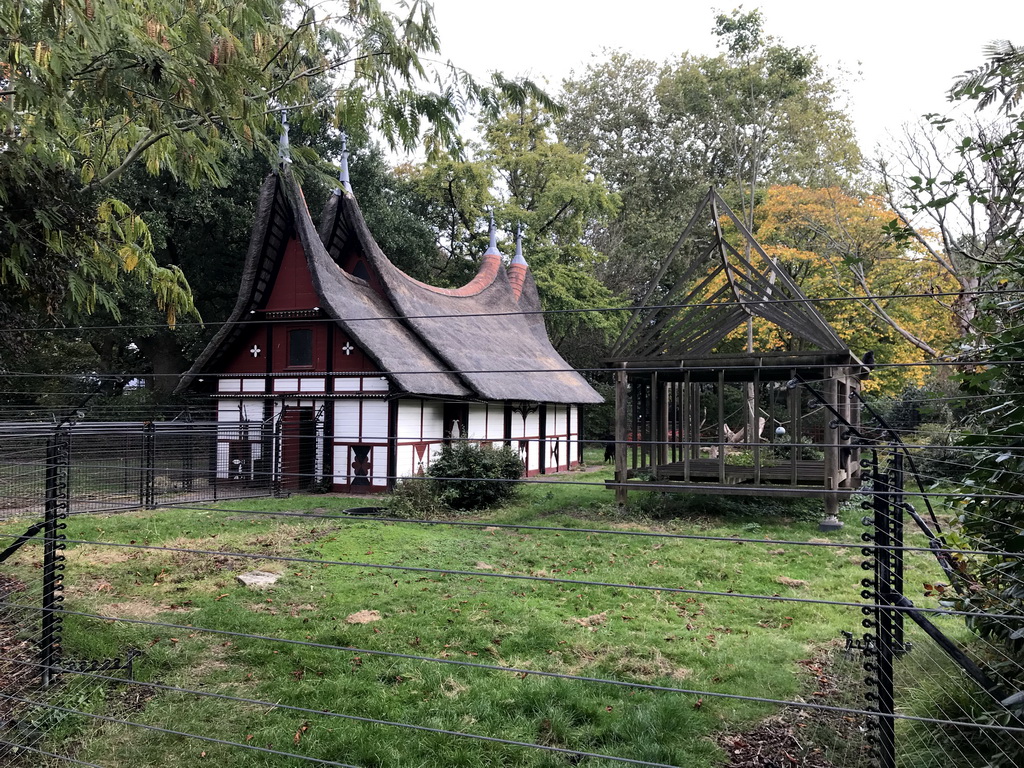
(91, 88)
(528, 177)
(467, 476)
(660, 133)
(991, 515)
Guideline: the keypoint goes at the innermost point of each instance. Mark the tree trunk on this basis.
(165, 359)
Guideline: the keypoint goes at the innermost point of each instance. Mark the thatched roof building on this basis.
(325, 324)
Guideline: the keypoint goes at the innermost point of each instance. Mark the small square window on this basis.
(300, 348)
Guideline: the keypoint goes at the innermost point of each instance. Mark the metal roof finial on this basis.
(492, 246)
(343, 177)
(519, 246)
(284, 151)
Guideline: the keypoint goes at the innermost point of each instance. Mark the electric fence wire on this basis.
(542, 312)
(476, 574)
(522, 672)
(493, 575)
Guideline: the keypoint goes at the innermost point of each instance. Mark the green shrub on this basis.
(415, 498)
(467, 476)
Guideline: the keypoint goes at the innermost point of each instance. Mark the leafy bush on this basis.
(467, 476)
(415, 498)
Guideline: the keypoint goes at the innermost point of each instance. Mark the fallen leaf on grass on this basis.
(481, 565)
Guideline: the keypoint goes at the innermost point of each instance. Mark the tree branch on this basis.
(555, 218)
(140, 146)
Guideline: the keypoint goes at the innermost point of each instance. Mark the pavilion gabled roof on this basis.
(490, 332)
(716, 292)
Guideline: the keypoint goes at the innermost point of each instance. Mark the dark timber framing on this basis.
(674, 375)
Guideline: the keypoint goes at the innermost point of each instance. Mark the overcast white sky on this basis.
(900, 56)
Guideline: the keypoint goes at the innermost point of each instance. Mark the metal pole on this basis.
(896, 520)
(884, 623)
(55, 509)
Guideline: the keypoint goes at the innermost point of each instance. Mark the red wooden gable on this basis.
(264, 347)
(293, 285)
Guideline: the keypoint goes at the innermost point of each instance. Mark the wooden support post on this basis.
(754, 435)
(654, 429)
(691, 431)
(663, 401)
(620, 436)
(855, 413)
(794, 428)
(831, 520)
(721, 426)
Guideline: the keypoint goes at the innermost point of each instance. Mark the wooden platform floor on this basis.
(800, 472)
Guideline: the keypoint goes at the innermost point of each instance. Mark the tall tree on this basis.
(90, 88)
(553, 193)
(958, 184)
(758, 113)
(527, 177)
(990, 515)
(840, 246)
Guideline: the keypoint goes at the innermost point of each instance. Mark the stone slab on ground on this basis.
(258, 579)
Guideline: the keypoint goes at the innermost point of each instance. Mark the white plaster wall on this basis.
(346, 421)
(409, 420)
(574, 433)
(405, 460)
(375, 422)
(495, 421)
(433, 420)
(380, 465)
(476, 429)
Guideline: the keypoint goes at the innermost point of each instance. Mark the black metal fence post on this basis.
(896, 510)
(55, 510)
(188, 468)
(148, 465)
(881, 646)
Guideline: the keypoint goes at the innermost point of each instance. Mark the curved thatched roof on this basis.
(363, 314)
(498, 344)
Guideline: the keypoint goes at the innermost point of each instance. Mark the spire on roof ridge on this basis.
(284, 156)
(343, 178)
(519, 247)
(492, 247)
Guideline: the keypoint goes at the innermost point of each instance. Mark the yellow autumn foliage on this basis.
(866, 285)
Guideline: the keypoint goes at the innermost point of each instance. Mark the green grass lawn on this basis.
(543, 623)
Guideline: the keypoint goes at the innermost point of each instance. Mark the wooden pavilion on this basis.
(698, 409)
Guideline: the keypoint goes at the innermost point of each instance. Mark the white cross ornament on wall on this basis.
(347, 349)
(255, 351)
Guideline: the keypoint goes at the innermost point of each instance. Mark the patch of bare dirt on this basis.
(809, 738)
(363, 617)
(788, 582)
(593, 622)
(136, 609)
(88, 554)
